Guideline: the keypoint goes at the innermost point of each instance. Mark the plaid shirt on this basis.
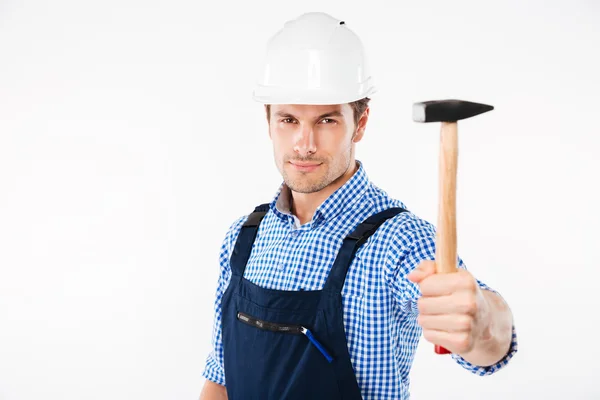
(380, 304)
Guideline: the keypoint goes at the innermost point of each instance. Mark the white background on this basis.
(129, 142)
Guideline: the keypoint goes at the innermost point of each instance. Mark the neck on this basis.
(304, 205)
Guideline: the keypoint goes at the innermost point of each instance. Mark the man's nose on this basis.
(305, 141)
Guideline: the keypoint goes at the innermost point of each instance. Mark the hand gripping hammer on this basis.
(447, 112)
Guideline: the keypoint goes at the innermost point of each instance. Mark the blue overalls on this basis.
(289, 345)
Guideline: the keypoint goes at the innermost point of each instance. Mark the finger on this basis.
(447, 283)
(457, 303)
(423, 270)
(455, 342)
(446, 322)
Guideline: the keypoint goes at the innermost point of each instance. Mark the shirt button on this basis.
(295, 233)
(280, 267)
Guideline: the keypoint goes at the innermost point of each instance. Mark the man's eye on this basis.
(287, 120)
(327, 119)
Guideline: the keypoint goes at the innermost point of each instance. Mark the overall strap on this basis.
(243, 245)
(337, 275)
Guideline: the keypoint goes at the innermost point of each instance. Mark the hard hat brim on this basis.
(317, 96)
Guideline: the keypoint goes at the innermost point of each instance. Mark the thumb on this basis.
(423, 270)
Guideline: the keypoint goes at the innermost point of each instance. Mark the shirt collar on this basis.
(344, 198)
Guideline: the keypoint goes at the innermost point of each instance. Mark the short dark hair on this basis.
(358, 107)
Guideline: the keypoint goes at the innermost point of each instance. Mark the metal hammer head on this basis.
(447, 110)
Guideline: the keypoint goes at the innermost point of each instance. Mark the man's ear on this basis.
(361, 126)
(268, 116)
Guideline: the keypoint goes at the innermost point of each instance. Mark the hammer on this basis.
(447, 112)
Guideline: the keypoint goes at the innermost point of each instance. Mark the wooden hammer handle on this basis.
(446, 253)
(446, 257)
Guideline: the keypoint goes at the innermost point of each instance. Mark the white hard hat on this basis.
(314, 59)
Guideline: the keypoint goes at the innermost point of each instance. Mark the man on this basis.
(325, 291)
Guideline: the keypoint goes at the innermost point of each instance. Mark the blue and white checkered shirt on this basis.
(380, 304)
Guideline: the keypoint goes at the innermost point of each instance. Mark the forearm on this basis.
(213, 391)
(495, 341)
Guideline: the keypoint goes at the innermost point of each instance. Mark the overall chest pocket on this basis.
(285, 328)
(271, 355)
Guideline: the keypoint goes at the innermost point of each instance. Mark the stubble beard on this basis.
(305, 183)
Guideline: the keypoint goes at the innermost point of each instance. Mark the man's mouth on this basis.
(305, 166)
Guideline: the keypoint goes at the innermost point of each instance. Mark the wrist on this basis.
(492, 342)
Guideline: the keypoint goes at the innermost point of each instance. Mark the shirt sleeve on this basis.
(408, 250)
(213, 369)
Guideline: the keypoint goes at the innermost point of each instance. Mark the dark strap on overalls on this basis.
(243, 245)
(337, 276)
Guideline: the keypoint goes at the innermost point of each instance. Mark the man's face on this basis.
(313, 144)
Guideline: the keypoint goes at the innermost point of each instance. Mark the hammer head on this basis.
(447, 110)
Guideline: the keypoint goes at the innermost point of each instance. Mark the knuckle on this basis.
(471, 284)
(463, 342)
(466, 323)
(469, 304)
(466, 281)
